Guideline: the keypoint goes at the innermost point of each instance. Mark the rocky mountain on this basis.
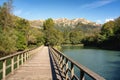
(64, 22)
(36, 23)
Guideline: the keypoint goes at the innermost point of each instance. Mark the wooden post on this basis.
(66, 72)
(63, 62)
(82, 75)
(12, 65)
(22, 59)
(25, 56)
(72, 70)
(56, 56)
(59, 60)
(4, 69)
(29, 54)
(18, 61)
(59, 57)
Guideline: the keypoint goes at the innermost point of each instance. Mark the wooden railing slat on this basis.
(76, 78)
(15, 62)
(82, 75)
(8, 66)
(66, 70)
(72, 70)
(18, 61)
(83, 69)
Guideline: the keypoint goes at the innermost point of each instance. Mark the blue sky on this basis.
(94, 10)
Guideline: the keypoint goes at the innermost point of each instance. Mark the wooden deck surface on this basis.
(37, 68)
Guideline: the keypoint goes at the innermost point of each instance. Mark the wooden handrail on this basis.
(17, 53)
(63, 60)
(20, 57)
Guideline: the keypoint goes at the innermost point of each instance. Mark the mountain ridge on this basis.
(63, 22)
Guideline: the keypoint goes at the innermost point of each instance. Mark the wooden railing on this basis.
(68, 68)
(12, 62)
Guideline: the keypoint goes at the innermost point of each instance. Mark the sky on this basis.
(98, 11)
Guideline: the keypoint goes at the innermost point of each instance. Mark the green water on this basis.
(104, 62)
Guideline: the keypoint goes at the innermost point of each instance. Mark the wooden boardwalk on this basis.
(37, 68)
(46, 64)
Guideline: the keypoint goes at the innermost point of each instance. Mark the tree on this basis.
(6, 15)
(66, 37)
(22, 28)
(117, 26)
(52, 36)
(48, 27)
(48, 24)
(108, 29)
(35, 36)
(117, 33)
(75, 37)
(7, 33)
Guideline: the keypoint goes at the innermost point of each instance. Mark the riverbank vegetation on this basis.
(108, 38)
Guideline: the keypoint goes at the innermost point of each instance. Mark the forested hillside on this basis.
(72, 31)
(15, 32)
(106, 36)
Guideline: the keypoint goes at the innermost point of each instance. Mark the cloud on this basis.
(18, 12)
(98, 4)
(110, 19)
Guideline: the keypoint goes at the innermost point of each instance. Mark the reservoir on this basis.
(106, 63)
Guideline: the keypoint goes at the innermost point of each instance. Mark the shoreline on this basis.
(72, 45)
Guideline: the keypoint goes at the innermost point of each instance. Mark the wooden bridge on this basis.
(43, 63)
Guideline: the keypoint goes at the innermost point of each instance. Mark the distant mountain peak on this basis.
(64, 22)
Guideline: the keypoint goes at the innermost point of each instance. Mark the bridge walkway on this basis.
(37, 68)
